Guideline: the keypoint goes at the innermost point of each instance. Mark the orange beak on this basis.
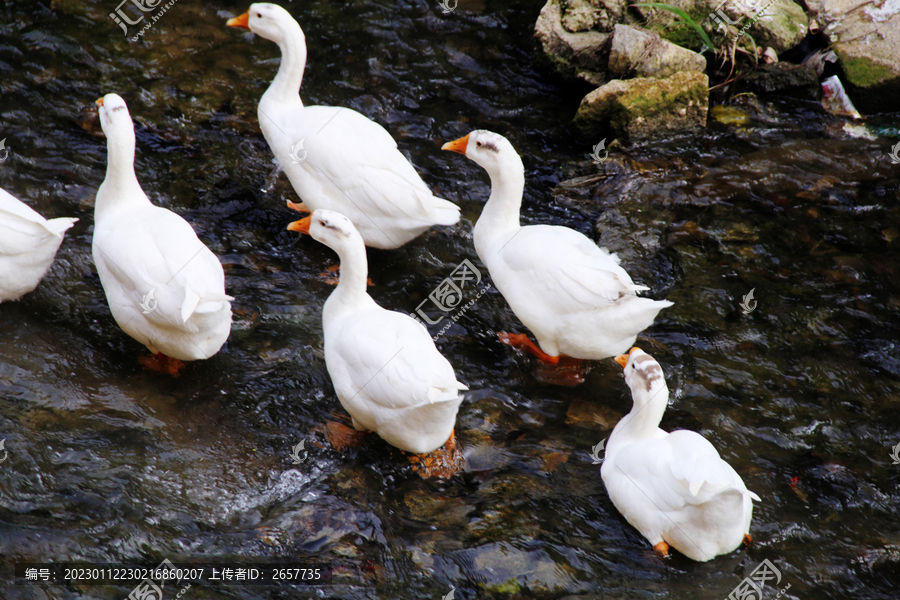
(99, 101)
(622, 359)
(459, 145)
(242, 21)
(301, 226)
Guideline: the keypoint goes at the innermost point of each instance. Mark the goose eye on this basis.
(478, 144)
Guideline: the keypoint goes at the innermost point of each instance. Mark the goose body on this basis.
(28, 245)
(385, 368)
(674, 488)
(573, 295)
(164, 287)
(335, 157)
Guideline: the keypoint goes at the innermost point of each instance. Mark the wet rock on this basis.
(505, 569)
(643, 107)
(729, 115)
(588, 414)
(578, 55)
(440, 511)
(785, 79)
(870, 56)
(645, 54)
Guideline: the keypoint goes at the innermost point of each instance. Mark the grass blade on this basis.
(707, 43)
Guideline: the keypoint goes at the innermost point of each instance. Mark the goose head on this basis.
(266, 20)
(645, 378)
(114, 116)
(331, 228)
(489, 150)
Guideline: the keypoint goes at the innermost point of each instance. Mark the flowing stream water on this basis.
(110, 463)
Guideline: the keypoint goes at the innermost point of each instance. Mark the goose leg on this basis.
(299, 207)
(343, 437)
(522, 341)
(443, 463)
(160, 363)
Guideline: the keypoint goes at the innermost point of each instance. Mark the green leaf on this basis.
(707, 43)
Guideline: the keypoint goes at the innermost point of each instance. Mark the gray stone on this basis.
(645, 54)
(600, 15)
(574, 55)
(866, 38)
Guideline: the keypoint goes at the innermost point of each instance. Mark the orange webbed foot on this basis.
(160, 363)
(662, 548)
(299, 207)
(522, 342)
(747, 539)
(343, 437)
(443, 463)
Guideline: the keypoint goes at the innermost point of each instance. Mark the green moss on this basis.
(510, 587)
(681, 34)
(863, 72)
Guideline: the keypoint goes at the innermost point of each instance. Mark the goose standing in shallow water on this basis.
(385, 368)
(674, 488)
(335, 157)
(164, 287)
(28, 245)
(572, 295)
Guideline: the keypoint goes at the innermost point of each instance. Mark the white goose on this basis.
(385, 368)
(335, 157)
(572, 295)
(28, 244)
(674, 488)
(163, 285)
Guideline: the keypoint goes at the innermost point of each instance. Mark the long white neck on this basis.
(121, 187)
(501, 213)
(351, 289)
(285, 88)
(642, 422)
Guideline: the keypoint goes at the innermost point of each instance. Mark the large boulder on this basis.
(585, 15)
(573, 36)
(866, 38)
(645, 107)
(780, 24)
(636, 52)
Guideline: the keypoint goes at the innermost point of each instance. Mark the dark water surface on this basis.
(111, 463)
